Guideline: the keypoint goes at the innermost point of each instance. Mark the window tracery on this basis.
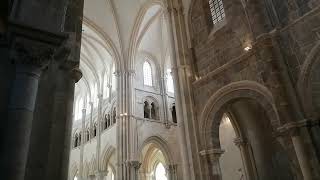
(217, 11)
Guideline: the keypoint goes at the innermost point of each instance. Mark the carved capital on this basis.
(171, 168)
(76, 74)
(67, 54)
(135, 164)
(32, 46)
(213, 154)
(240, 142)
(293, 128)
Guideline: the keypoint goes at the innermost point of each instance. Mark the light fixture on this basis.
(248, 48)
(125, 114)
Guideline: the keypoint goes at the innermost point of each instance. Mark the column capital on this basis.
(135, 164)
(293, 128)
(101, 173)
(31, 46)
(171, 167)
(213, 154)
(240, 142)
(76, 74)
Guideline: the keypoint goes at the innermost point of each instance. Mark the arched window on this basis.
(147, 74)
(160, 172)
(75, 178)
(170, 87)
(114, 115)
(146, 110)
(95, 130)
(75, 141)
(174, 115)
(107, 122)
(79, 140)
(217, 11)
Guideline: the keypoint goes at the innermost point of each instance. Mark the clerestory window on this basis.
(217, 11)
(147, 74)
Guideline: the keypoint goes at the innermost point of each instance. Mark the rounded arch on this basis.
(160, 144)
(214, 109)
(109, 150)
(304, 81)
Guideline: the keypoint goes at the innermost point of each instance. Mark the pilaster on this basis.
(212, 157)
(294, 129)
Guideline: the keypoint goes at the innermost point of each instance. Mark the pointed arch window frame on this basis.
(147, 73)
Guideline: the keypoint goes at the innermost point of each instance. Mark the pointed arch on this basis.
(109, 150)
(159, 143)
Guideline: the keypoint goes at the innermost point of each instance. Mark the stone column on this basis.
(212, 157)
(134, 169)
(300, 148)
(165, 100)
(91, 119)
(83, 137)
(247, 163)
(181, 76)
(99, 131)
(31, 51)
(171, 171)
(110, 91)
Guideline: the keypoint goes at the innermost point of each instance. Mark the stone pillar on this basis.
(171, 171)
(31, 51)
(134, 169)
(247, 163)
(91, 119)
(300, 148)
(83, 137)
(165, 100)
(181, 75)
(110, 91)
(99, 131)
(212, 157)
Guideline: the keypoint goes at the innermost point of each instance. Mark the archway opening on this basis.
(230, 161)
(160, 172)
(154, 163)
(258, 154)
